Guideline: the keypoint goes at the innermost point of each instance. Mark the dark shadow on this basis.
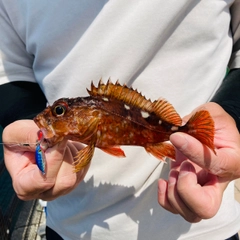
(147, 214)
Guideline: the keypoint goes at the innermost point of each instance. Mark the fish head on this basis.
(57, 121)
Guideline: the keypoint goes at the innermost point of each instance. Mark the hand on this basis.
(28, 181)
(198, 177)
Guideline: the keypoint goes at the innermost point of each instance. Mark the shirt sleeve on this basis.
(22, 100)
(235, 27)
(20, 96)
(15, 62)
(227, 95)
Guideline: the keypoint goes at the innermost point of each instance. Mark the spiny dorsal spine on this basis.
(161, 107)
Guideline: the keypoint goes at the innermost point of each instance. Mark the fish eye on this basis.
(60, 110)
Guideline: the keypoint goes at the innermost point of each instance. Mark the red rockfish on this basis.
(115, 115)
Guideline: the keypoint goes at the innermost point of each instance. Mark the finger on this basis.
(179, 158)
(66, 179)
(175, 199)
(224, 163)
(67, 168)
(54, 159)
(203, 201)
(21, 131)
(162, 196)
(31, 174)
(197, 152)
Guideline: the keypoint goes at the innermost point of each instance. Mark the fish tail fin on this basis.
(201, 127)
(161, 150)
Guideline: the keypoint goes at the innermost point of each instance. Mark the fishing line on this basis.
(15, 144)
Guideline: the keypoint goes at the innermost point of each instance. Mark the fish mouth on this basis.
(48, 132)
(50, 137)
(45, 126)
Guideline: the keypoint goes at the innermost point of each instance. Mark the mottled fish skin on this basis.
(115, 115)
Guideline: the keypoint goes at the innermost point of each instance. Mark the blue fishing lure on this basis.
(40, 155)
(40, 158)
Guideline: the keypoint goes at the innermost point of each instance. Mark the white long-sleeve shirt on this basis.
(176, 49)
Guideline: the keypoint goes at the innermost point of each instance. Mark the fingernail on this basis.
(171, 181)
(162, 185)
(185, 169)
(183, 173)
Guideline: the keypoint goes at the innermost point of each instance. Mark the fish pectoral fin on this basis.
(161, 150)
(83, 157)
(115, 151)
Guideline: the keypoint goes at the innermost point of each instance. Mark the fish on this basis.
(114, 115)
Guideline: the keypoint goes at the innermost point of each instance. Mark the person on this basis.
(178, 50)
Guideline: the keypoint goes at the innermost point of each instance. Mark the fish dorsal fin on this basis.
(163, 109)
(121, 93)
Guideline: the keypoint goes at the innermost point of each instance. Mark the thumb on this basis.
(193, 149)
(21, 133)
